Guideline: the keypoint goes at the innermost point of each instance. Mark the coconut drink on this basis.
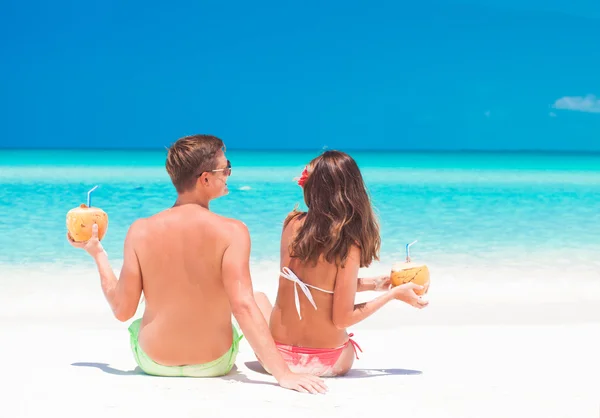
(81, 219)
(409, 271)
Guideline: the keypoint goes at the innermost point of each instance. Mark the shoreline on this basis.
(46, 294)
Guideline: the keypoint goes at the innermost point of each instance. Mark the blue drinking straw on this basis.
(408, 249)
(89, 203)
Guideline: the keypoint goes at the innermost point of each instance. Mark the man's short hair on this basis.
(189, 157)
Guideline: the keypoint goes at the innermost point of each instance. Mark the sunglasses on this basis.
(226, 170)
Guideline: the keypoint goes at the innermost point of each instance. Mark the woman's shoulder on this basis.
(293, 218)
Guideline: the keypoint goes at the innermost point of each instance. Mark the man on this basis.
(193, 267)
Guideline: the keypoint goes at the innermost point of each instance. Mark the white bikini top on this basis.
(289, 274)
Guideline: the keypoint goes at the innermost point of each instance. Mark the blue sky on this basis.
(273, 75)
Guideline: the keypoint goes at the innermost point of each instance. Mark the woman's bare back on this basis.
(316, 329)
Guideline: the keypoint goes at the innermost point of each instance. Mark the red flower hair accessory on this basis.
(303, 177)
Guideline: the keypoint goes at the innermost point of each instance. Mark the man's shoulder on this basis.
(212, 220)
(190, 216)
(140, 225)
(236, 228)
(136, 229)
(231, 225)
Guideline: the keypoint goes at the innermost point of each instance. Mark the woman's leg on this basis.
(345, 362)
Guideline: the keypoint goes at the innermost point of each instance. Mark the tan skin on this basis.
(326, 326)
(193, 267)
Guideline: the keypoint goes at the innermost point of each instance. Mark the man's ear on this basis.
(203, 179)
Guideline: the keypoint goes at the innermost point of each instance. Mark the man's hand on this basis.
(92, 246)
(305, 383)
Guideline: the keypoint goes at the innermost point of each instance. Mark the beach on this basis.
(469, 355)
(511, 330)
(475, 127)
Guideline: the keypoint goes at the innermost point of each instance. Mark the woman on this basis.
(321, 252)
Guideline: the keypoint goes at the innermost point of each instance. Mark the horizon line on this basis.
(292, 150)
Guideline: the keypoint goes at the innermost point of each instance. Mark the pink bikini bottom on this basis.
(319, 361)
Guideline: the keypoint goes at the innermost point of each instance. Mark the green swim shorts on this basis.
(218, 367)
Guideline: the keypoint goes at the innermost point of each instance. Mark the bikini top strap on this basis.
(291, 276)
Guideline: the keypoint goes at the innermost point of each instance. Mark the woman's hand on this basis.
(376, 284)
(382, 283)
(406, 293)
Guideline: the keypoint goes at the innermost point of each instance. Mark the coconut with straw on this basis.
(408, 271)
(81, 219)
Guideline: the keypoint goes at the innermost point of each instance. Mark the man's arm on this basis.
(238, 286)
(123, 295)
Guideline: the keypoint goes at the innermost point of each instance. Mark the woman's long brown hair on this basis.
(339, 213)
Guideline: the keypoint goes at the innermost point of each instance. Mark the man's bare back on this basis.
(180, 251)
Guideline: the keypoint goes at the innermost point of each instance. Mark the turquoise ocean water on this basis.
(491, 210)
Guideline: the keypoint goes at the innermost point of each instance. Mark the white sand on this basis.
(502, 350)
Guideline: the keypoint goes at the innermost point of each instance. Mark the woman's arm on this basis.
(377, 283)
(346, 313)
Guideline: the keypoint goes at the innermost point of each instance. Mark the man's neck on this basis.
(187, 199)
